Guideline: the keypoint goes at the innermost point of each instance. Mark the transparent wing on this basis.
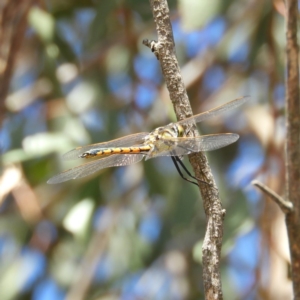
(186, 145)
(128, 140)
(96, 165)
(215, 111)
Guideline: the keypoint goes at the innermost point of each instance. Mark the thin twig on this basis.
(293, 141)
(286, 206)
(164, 49)
(153, 46)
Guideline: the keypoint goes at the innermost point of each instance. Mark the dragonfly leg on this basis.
(178, 160)
(175, 161)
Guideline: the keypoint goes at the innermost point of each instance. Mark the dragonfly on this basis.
(170, 140)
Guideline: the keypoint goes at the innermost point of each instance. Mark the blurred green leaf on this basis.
(196, 14)
(43, 23)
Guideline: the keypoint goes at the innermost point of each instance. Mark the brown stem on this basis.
(13, 19)
(286, 206)
(293, 142)
(165, 51)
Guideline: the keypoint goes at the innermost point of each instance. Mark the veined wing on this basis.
(186, 145)
(96, 165)
(128, 140)
(215, 111)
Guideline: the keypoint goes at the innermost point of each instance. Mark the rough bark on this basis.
(164, 49)
(293, 142)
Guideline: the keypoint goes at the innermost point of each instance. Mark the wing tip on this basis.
(53, 180)
(244, 98)
(235, 137)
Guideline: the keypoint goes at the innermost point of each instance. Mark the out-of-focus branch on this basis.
(293, 141)
(12, 181)
(13, 18)
(164, 49)
(95, 250)
(286, 206)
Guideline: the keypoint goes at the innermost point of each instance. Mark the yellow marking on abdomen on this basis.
(122, 150)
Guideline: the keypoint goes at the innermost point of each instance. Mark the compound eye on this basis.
(180, 131)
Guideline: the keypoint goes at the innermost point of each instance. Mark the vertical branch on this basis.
(13, 18)
(164, 49)
(293, 142)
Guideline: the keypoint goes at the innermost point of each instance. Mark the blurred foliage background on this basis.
(81, 75)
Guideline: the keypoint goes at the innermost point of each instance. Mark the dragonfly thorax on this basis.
(162, 139)
(170, 131)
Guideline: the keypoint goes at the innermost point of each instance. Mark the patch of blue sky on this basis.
(196, 42)
(213, 78)
(66, 30)
(250, 295)
(249, 159)
(102, 218)
(129, 284)
(5, 140)
(30, 31)
(33, 109)
(33, 265)
(279, 95)
(236, 118)
(35, 121)
(29, 121)
(84, 17)
(144, 96)
(215, 29)
(138, 120)
(123, 181)
(122, 120)
(154, 284)
(199, 40)
(48, 289)
(104, 270)
(178, 33)
(254, 196)
(147, 68)
(46, 231)
(8, 248)
(92, 119)
(150, 226)
(15, 121)
(23, 78)
(70, 85)
(244, 259)
(132, 117)
(164, 165)
(13, 127)
(97, 217)
(238, 54)
(120, 85)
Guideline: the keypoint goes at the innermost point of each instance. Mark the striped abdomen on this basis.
(117, 150)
